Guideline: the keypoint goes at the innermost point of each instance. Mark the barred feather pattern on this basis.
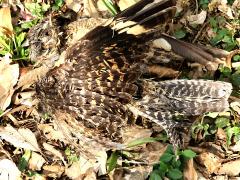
(101, 83)
(164, 101)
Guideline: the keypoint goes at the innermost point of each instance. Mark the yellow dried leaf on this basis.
(21, 138)
(210, 161)
(8, 79)
(6, 27)
(80, 168)
(54, 151)
(230, 168)
(189, 171)
(54, 171)
(36, 162)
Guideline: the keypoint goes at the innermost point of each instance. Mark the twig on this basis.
(199, 32)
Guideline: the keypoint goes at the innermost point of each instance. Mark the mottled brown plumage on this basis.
(100, 83)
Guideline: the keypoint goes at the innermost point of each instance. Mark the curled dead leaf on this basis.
(131, 173)
(6, 27)
(8, 78)
(198, 18)
(235, 147)
(221, 134)
(189, 171)
(54, 171)
(221, 5)
(36, 162)
(230, 168)
(21, 138)
(75, 5)
(51, 133)
(154, 151)
(236, 107)
(91, 9)
(24, 98)
(101, 157)
(210, 161)
(55, 152)
(80, 169)
(135, 132)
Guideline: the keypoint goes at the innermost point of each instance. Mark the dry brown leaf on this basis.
(24, 98)
(134, 132)
(55, 152)
(162, 43)
(79, 168)
(221, 5)
(13, 119)
(189, 171)
(9, 170)
(32, 76)
(210, 161)
(221, 134)
(198, 18)
(21, 138)
(75, 5)
(90, 175)
(6, 27)
(131, 173)
(236, 107)
(230, 168)
(221, 178)
(8, 78)
(52, 134)
(124, 4)
(201, 176)
(36, 162)
(90, 8)
(154, 151)
(54, 171)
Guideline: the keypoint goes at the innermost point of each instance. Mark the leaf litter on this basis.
(219, 158)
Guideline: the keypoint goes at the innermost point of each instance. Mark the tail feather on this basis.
(195, 89)
(165, 101)
(180, 47)
(189, 97)
(219, 53)
(147, 12)
(141, 19)
(196, 53)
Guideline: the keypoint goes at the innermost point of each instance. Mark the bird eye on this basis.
(48, 81)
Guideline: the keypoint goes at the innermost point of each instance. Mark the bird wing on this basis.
(99, 75)
(96, 80)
